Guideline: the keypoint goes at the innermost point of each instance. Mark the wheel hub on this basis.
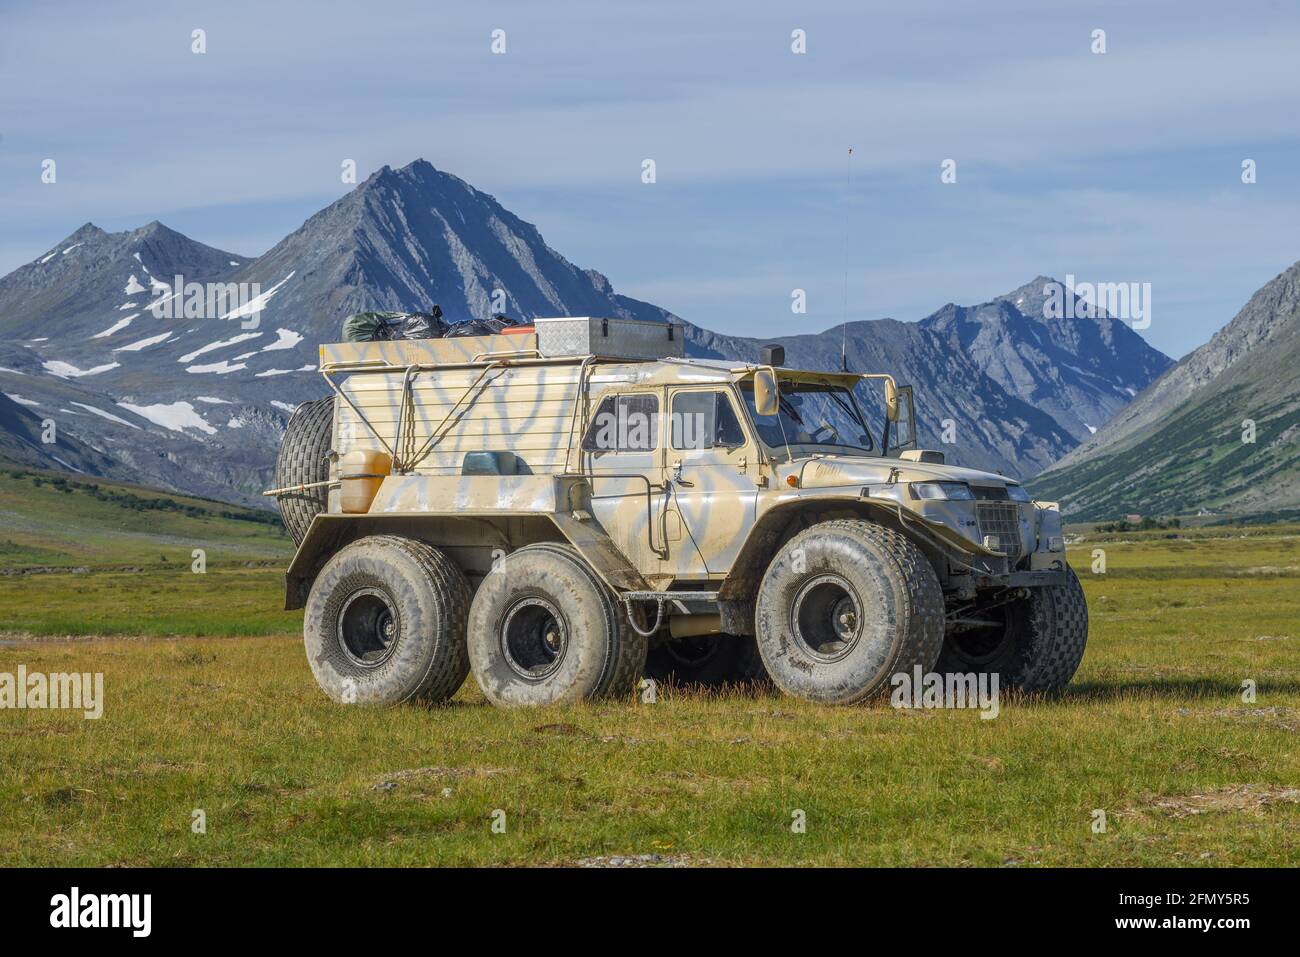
(367, 627)
(534, 638)
(827, 617)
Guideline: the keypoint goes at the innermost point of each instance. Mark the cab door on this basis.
(710, 480)
(622, 452)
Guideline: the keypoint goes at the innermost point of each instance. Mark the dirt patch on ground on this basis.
(391, 780)
(1240, 799)
(1287, 719)
(641, 860)
(561, 730)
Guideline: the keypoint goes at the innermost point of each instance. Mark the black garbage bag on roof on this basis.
(481, 327)
(424, 325)
(386, 326)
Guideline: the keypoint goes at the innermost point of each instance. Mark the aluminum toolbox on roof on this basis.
(609, 338)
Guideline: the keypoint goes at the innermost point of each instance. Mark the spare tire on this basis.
(304, 460)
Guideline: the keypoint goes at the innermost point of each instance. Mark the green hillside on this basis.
(61, 520)
(81, 556)
(1194, 461)
(1218, 432)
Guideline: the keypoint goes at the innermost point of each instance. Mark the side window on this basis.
(705, 420)
(624, 423)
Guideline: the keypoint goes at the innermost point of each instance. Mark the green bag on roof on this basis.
(372, 326)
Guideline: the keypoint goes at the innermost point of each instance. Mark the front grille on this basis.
(991, 493)
(1002, 521)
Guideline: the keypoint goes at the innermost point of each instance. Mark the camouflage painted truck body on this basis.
(496, 445)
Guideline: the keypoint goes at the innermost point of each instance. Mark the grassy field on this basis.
(92, 557)
(48, 519)
(1154, 732)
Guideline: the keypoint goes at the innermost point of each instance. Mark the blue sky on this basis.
(1117, 167)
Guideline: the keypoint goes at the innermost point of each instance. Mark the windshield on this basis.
(811, 413)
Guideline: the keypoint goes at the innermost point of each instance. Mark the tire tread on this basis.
(301, 461)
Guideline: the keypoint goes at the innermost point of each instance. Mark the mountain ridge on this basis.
(1217, 432)
(197, 405)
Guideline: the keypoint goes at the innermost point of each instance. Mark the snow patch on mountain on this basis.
(220, 368)
(106, 415)
(143, 343)
(286, 339)
(219, 344)
(257, 303)
(177, 416)
(66, 370)
(115, 327)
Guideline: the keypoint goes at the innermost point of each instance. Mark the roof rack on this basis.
(567, 338)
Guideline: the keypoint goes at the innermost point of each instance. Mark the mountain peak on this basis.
(1029, 297)
(85, 232)
(156, 229)
(418, 171)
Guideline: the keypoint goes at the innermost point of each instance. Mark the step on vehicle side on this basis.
(567, 508)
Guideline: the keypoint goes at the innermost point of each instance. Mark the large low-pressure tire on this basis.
(708, 661)
(303, 461)
(1036, 645)
(385, 623)
(843, 607)
(544, 629)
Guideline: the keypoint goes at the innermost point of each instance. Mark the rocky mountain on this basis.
(1218, 431)
(23, 441)
(196, 400)
(95, 281)
(1080, 371)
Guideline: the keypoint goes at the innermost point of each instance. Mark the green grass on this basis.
(85, 556)
(63, 520)
(1153, 731)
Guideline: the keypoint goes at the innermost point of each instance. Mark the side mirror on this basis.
(891, 401)
(766, 396)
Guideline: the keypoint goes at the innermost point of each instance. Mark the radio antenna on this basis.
(844, 326)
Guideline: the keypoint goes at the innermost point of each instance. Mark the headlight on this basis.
(1017, 493)
(950, 491)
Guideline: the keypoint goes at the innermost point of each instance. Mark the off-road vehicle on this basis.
(573, 505)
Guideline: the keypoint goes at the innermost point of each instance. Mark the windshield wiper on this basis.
(852, 414)
(791, 411)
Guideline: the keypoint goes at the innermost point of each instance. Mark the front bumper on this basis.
(1042, 578)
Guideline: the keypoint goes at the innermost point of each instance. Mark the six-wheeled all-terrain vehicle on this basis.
(573, 505)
